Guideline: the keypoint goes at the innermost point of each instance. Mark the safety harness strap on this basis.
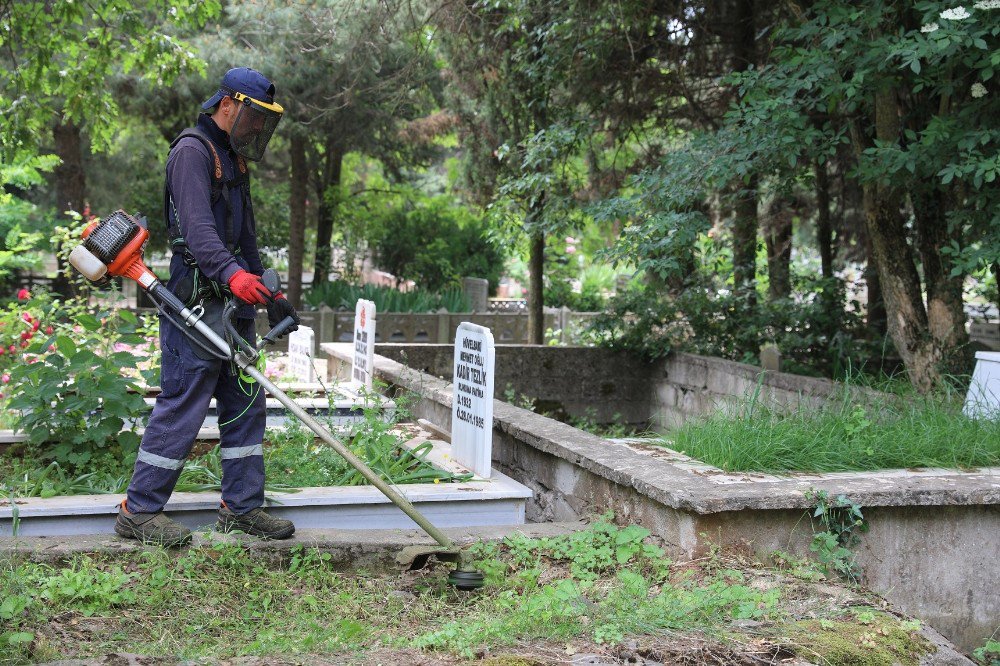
(220, 189)
(201, 286)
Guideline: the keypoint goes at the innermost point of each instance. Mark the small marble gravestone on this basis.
(472, 400)
(364, 344)
(300, 354)
(983, 398)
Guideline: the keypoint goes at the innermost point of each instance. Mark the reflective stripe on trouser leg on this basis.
(242, 411)
(187, 383)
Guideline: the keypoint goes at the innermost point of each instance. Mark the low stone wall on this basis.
(435, 327)
(687, 386)
(602, 384)
(933, 537)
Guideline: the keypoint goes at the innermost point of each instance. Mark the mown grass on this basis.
(855, 431)
(597, 586)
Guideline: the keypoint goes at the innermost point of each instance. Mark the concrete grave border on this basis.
(932, 548)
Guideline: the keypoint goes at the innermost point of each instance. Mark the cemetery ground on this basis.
(600, 595)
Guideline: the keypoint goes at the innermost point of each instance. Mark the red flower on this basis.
(48, 330)
(23, 294)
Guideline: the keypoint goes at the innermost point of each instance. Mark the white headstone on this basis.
(364, 344)
(300, 354)
(983, 398)
(472, 402)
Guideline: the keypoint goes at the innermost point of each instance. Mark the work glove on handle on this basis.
(278, 309)
(248, 288)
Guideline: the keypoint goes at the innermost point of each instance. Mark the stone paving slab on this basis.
(349, 548)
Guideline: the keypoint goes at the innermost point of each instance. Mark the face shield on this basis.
(253, 127)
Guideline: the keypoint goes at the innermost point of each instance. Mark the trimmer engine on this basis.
(108, 238)
(113, 246)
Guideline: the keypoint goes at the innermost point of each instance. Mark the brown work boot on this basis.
(256, 522)
(151, 528)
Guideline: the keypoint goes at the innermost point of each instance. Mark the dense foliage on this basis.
(822, 179)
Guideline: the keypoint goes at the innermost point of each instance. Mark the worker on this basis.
(212, 230)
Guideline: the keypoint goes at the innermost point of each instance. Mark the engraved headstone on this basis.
(472, 402)
(477, 291)
(364, 344)
(300, 354)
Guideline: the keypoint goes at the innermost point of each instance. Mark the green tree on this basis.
(351, 76)
(911, 89)
(57, 60)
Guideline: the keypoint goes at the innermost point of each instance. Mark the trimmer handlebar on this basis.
(278, 331)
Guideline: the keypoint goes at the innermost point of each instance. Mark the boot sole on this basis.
(225, 526)
(123, 529)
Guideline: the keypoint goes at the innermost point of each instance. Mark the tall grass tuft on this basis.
(340, 295)
(854, 431)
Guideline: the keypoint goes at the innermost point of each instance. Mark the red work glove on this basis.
(248, 288)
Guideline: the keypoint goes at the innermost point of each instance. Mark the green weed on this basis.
(841, 521)
(223, 601)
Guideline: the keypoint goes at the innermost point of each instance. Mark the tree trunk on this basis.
(71, 185)
(745, 245)
(778, 238)
(745, 225)
(907, 318)
(333, 163)
(297, 222)
(536, 303)
(945, 309)
(878, 323)
(824, 228)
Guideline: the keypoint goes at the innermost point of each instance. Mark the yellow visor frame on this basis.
(246, 99)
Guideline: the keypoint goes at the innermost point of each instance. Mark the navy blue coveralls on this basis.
(189, 382)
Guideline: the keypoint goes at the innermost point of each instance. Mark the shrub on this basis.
(435, 243)
(71, 386)
(340, 295)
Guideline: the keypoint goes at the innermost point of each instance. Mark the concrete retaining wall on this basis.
(603, 384)
(931, 550)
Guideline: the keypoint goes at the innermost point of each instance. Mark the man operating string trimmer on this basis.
(212, 232)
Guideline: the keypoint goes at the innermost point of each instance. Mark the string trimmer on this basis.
(114, 247)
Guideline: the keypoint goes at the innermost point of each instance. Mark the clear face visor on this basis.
(254, 125)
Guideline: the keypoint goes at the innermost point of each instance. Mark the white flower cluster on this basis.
(930, 27)
(987, 4)
(977, 90)
(955, 14)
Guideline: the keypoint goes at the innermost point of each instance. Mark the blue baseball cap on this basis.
(244, 80)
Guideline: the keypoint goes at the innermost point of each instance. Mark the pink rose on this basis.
(23, 294)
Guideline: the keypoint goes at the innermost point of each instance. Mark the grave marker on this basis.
(983, 398)
(472, 400)
(300, 354)
(477, 291)
(364, 344)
